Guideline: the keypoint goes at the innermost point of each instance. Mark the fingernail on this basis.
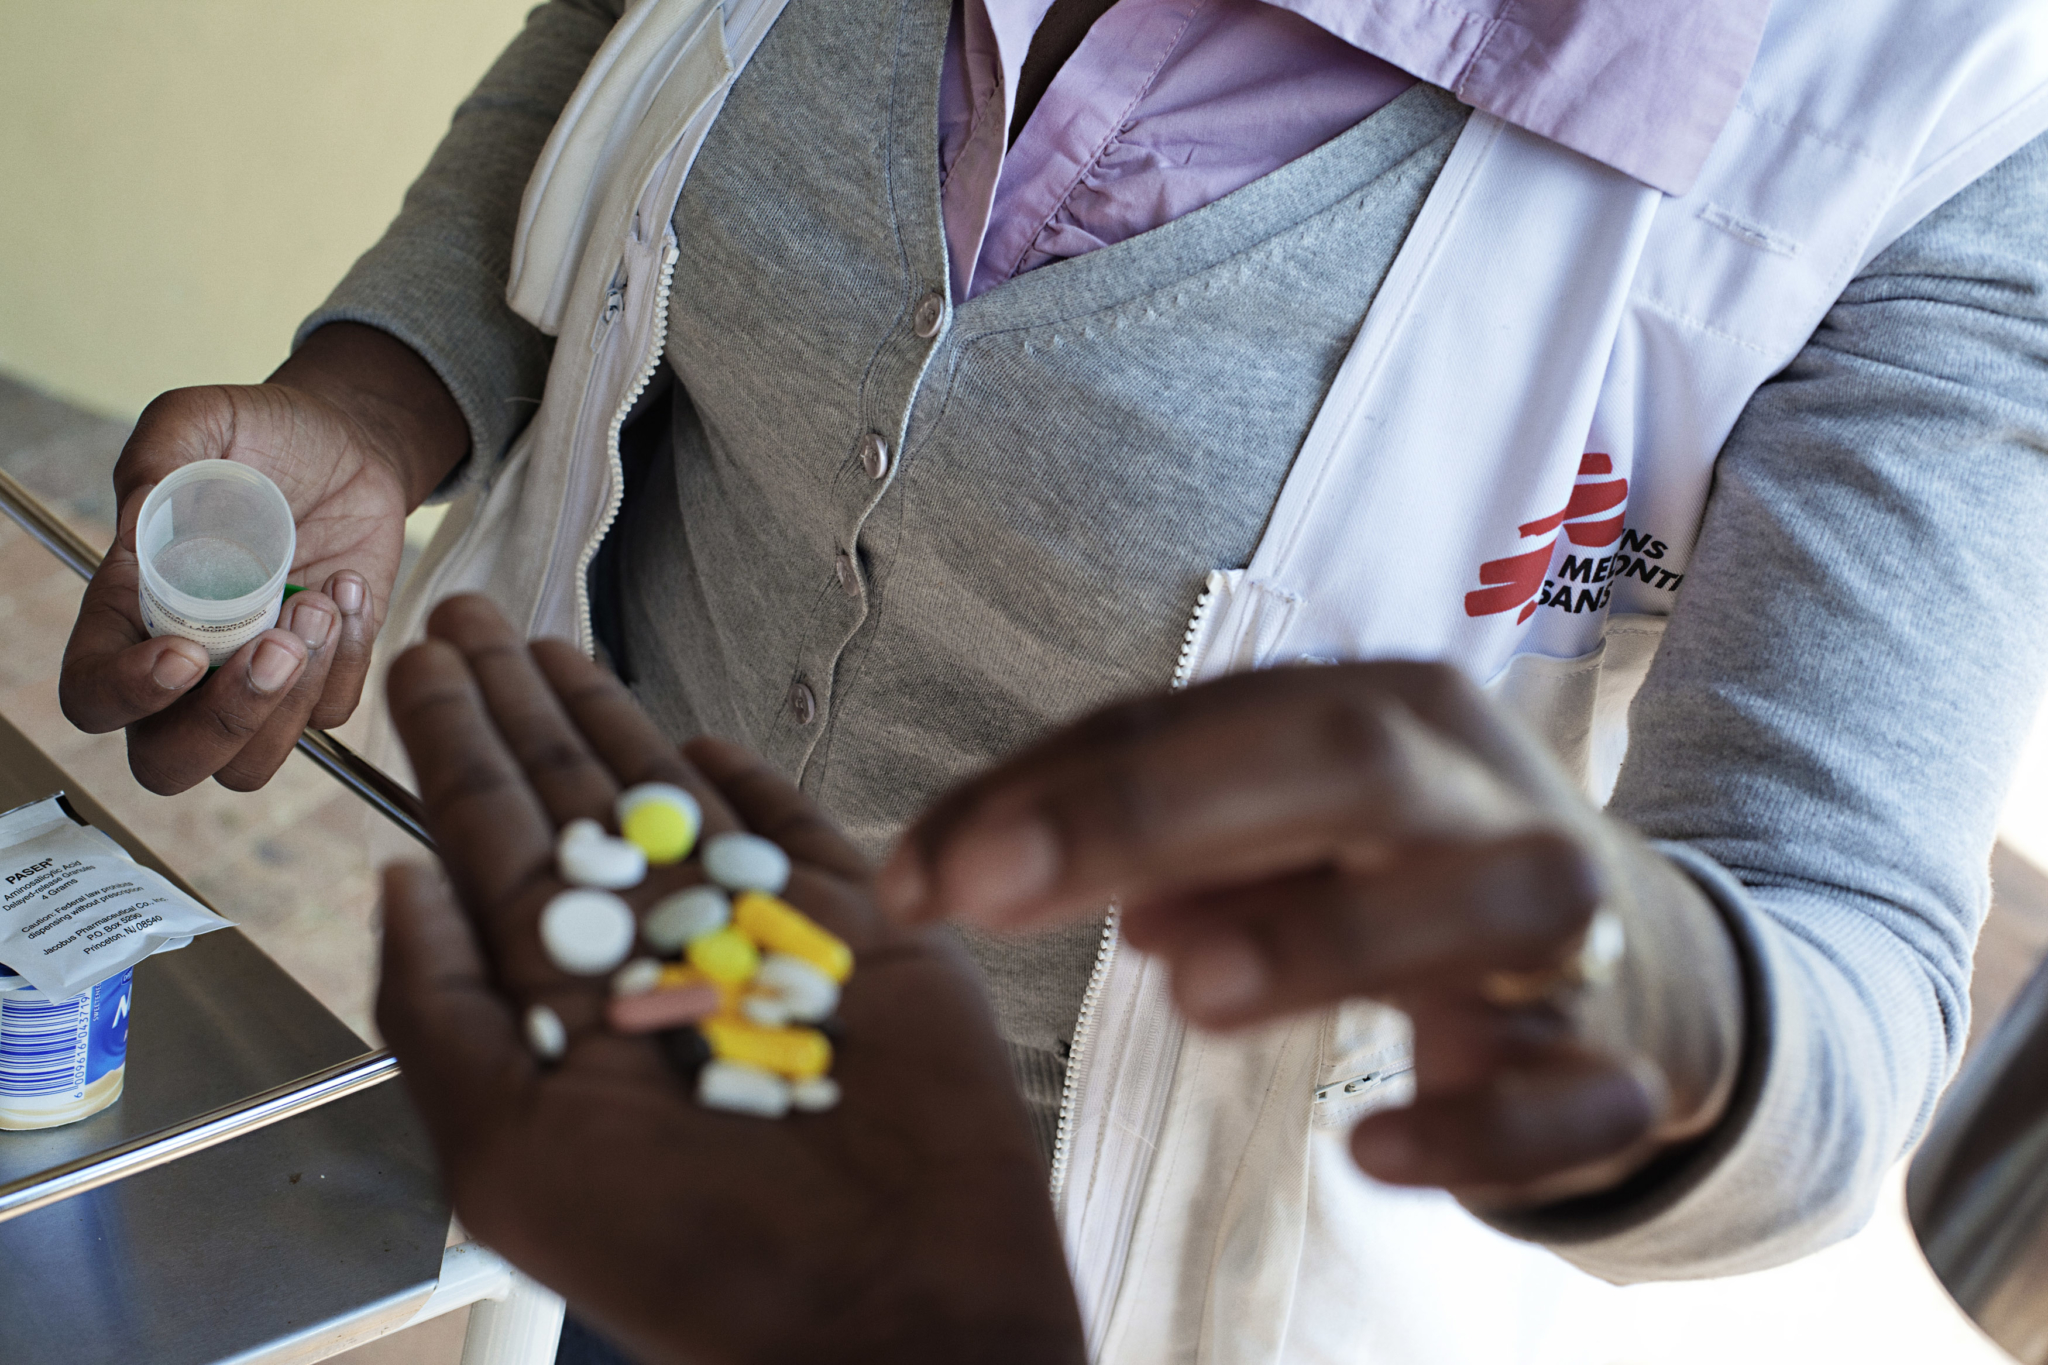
(312, 623)
(1222, 977)
(899, 887)
(990, 875)
(176, 670)
(1387, 1151)
(272, 667)
(348, 592)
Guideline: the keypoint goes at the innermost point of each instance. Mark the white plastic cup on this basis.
(61, 1060)
(216, 541)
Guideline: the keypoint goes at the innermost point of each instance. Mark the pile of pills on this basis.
(740, 986)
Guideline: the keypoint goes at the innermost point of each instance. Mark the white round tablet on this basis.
(545, 1034)
(600, 860)
(678, 921)
(746, 862)
(587, 933)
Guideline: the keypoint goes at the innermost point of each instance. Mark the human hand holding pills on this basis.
(602, 1125)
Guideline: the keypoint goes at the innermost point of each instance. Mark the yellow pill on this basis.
(728, 957)
(780, 927)
(800, 1054)
(660, 819)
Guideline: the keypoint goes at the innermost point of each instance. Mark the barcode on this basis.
(42, 1045)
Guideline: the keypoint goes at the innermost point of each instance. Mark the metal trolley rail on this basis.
(256, 1263)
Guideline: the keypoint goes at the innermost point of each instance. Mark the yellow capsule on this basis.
(797, 1053)
(780, 927)
(665, 829)
(728, 957)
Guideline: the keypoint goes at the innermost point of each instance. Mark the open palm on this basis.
(910, 1223)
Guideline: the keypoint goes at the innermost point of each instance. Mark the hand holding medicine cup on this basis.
(355, 430)
(908, 1223)
(1293, 838)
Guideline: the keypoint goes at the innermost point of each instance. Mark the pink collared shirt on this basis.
(1168, 105)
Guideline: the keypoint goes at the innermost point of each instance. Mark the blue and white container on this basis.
(61, 1060)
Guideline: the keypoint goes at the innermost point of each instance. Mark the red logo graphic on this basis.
(1515, 581)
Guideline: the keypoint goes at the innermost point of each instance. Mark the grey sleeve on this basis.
(436, 280)
(1826, 737)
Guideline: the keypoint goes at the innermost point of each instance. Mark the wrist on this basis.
(1678, 1001)
(408, 417)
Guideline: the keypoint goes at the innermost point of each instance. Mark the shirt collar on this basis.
(1644, 86)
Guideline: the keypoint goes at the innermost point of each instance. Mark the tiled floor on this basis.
(292, 865)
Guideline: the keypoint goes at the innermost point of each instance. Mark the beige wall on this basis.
(182, 180)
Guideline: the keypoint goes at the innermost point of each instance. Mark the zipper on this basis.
(1190, 643)
(1105, 953)
(744, 24)
(1077, 1055)
(615, 495)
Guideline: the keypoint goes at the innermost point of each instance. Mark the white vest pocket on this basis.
(1580, 705)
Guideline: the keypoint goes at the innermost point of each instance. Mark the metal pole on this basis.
(39, 521)
(336, 759)
(196, 1134)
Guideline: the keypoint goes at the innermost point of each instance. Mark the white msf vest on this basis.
(1507, 474)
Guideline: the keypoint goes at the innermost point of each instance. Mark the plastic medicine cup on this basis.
(215, 540)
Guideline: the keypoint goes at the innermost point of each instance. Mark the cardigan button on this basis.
(848, 574)
(803, 704)
(874, 455)
(931, 315)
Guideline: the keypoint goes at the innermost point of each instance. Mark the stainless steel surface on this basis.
(222, 1251)
(1977, 1191)
(471, 1277)
(210, 1129)
(340, 762)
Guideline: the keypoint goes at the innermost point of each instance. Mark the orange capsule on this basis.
(653, 1011)
(678, 976)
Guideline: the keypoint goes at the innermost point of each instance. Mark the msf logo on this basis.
(1591, 520)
